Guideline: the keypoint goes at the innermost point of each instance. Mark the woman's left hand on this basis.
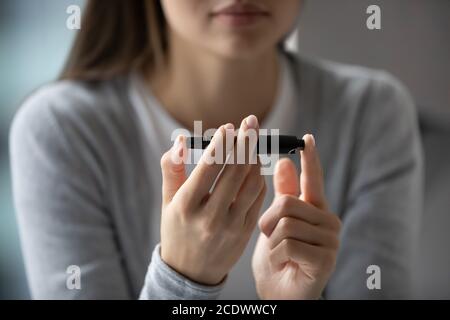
(296, 251)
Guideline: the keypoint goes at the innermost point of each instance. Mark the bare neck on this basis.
(200, 85)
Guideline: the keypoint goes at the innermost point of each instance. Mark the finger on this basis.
(253, 213)
(247, 141)
(290, 206)
(291, 228)
(311, 178)
(210, 164)
(234, 174)
(173, 169)
(249, 191)
(285, 178)
(290, 250)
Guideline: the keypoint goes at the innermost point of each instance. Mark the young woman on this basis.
(98, 221)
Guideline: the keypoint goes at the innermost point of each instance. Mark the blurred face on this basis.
(231, 28)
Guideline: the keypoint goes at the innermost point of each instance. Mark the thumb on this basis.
(285, 179)
(311, 178)
(173, 170)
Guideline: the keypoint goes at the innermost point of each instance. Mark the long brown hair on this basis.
(115, 37)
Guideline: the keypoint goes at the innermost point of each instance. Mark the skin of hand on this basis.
(296, 251)
(204, 232)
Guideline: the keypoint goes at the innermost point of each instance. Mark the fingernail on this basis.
(229, 126)
(310, 140)
(252, 122)
(176, 143)
(178, 147)
(313, 140)
(229, 131)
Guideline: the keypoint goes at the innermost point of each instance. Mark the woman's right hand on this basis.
(204, 233)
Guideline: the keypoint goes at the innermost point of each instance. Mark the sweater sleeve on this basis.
(162, 282)
(63, 217)
(384, 199)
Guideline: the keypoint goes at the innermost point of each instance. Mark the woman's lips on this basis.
(240, 15)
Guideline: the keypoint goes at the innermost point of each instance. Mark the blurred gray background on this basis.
(413, 44)
(34, 42)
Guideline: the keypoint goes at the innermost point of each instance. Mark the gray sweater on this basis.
(87, 183)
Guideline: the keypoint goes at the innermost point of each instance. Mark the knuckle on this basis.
(333, 240)
(284, 202)
(263, 223)
(287, 246)
(207, 235)
(208, 230)
(165, 159)
(284, 225)
(336, 223)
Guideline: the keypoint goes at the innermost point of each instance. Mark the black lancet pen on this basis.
(286, 144)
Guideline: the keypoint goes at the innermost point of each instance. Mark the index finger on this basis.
(210, 164)
(311, 178)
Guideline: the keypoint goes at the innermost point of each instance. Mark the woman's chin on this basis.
(242, 49)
